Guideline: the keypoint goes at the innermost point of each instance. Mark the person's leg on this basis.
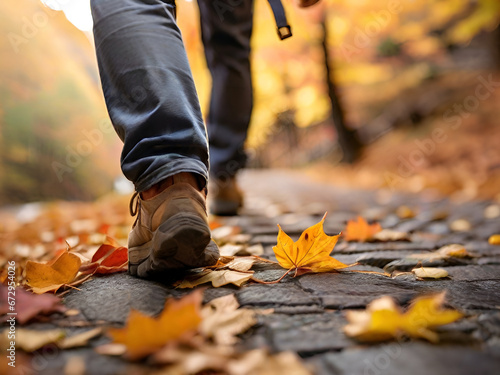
(154, 108)
(149, 90)
(226, 37)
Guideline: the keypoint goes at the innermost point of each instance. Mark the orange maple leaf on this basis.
(144, 335)
(310, 253)
(44, 277)
(360, 230)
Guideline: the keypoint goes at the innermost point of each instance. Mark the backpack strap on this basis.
(283, 28)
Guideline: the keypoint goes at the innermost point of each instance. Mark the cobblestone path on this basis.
(309, 311)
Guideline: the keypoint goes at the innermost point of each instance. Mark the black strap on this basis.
(284, 29)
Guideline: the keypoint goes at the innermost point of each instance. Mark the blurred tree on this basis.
(347, 138)
(53, 144)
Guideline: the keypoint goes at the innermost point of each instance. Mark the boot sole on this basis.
(178, 243)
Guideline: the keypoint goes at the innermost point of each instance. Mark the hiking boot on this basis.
(225, 197)
(171, 231)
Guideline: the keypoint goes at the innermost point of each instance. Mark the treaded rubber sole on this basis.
(181, 242)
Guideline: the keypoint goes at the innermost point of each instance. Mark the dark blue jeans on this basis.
(150, 93)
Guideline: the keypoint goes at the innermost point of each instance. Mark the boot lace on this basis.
(134, 204)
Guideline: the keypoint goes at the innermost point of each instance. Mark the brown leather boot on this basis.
(171, 231)
(225, 197)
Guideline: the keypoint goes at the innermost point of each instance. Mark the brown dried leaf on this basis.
(216, 277)
(80, 339)
(445, 252)
(430, 272)
(222, 320)
(31, 340)
(386, 235)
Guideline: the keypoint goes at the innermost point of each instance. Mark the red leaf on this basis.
(102, 251)
(109, 258)
(118, 257)
(28, 305)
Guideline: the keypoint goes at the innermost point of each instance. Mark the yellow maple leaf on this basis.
(383, 319)
(44, 277)
(144, 335)
(310, 253)
(360, 230)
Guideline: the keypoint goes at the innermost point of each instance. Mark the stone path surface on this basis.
(309, 311)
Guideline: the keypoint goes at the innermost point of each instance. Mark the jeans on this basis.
(150, 92)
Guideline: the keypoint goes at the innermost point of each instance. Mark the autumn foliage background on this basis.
(400, 67)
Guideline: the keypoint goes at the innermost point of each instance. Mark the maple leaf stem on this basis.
(275, 281)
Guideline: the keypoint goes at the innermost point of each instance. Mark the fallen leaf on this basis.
(360, 230)
(460, 225)
(241, 249)
(227, 270)
(494, 239)
(405, 212)
(260, 362)
(44, 277)
(206, 358)
(310, 253)
(444, 252)
(453, 250)
(109, 258)
(241, 264)
(386, 235)
(144, 335)
(224, 233)
(111, 349)
(199, 359)
(256, 249)
(218, 278)
(492, 211)
(75, 365)
(230, 250)
(31, 340)
(430, 272)
(80, 339)
(24, 363)
(29, 305)
(223, 320)
(383, 319)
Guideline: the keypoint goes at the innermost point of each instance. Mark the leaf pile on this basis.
(67, 268)
(190, 339)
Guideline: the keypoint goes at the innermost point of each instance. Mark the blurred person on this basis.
(153, 105)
